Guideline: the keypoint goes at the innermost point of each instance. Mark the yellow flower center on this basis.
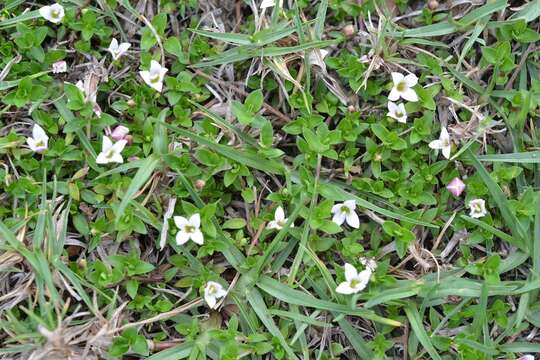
(401, 86)
(345, 210)
(154, 79)
(354, 283)
(189, 229)
(212, 290)
(40, 143)
(55, 13)
(399, 114)
(109, 154)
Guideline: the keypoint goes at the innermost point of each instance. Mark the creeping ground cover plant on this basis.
(233, 179)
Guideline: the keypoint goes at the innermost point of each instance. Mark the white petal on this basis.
(106, 145)
(155, 67)
(444, 135)
(279, 215)
(364, 276)
(353, 220)
(102, 159)
(117, 158)
(162, 72)
(38, 133)
(119, 146)
(397, 77)
(195, 220)
(351, 204)
(180, 221)
(339, 218)
(31, 143)
(220, 292)
(446, 151)
(124, 47)
(336, 208)
(158, 86)
(45, 12)
(411, 80)
(197, 237)
(436, 144)
(350, 272)
(113, 47)
(394, 94)
(182, 237)
(409, 95)
(210, 300)
(273, 225)
(345, 288)
(145, 76)
(392, 107)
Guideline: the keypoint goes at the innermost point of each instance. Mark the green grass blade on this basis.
(419, 331)
(291, 296)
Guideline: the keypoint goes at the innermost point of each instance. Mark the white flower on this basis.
(279, 220)
(478, 208)
(213, 291)
(267, 3)
(53, 13)
(443, 143)
(345, 212)
(189, 229)
(354, 281)
(39, 140)
(397, 111)
(526, 357)
(154, 76)
(403, 87)
(59, 67)
(111, 153)
(89, 90)
(118, 50)
(370, 264)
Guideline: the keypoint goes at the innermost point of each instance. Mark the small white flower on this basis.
(397, 111)
(213, 291)
(39, 140)
(403, 87)
(189, 229)
(90, 94)
(267, 3)
(111, 153)
(354, 281)
(369, 263)
(53, 13)
(526, 357)
(478, 208)
(154, 77)
(117, 50)
(59, 67)
(345, 212)
(279, 220)
(443, 143)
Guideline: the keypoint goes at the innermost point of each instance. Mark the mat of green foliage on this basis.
(219, 179)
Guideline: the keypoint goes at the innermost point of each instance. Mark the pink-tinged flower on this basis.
(119, 133)
(59, 67)
(456, 186)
